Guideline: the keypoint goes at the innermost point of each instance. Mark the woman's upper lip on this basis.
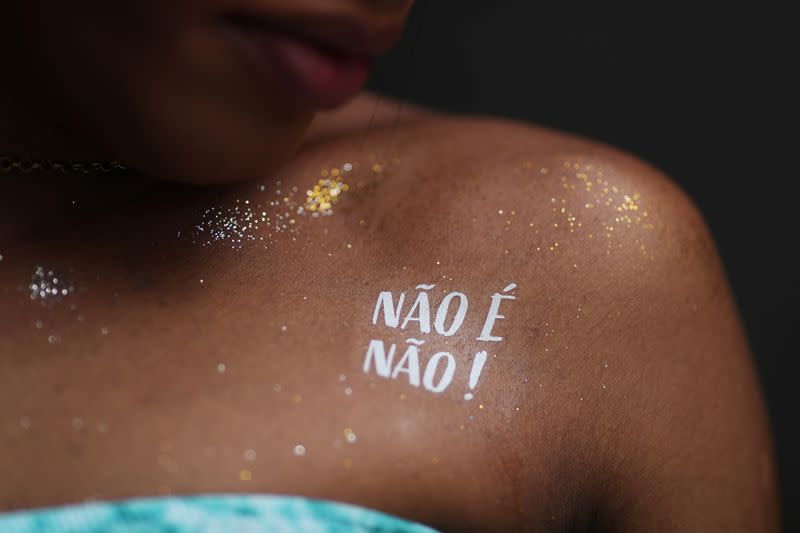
(337, 32)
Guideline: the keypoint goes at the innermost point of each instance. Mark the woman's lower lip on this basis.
(312, 75)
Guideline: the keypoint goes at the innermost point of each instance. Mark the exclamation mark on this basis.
(475, 374)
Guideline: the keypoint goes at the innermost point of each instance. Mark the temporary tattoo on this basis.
(438, 373)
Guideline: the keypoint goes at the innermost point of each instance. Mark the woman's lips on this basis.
(315, 75)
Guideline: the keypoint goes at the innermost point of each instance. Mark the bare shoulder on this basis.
(625, 347)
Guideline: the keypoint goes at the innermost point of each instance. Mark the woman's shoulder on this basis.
(555, 198)
(622, 322)
(600, 243)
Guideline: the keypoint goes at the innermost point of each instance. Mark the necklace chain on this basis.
(11, 164)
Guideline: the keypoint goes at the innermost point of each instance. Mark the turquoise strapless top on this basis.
(224, 513)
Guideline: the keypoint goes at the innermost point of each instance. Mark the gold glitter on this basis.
(245, 475)
(435, 460)
(321, 198)
(402, 395)
(624, 209)
(296, 398)
(480, 407)
(377, 168)
(348, 463)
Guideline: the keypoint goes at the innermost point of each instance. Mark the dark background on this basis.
(705, 95)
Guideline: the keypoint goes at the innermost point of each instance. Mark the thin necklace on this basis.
(11, 164)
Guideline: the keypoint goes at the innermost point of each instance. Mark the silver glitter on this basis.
(232, 225)
(25, 422)
(47, 285)
(246, 222)
(221, 368)
(103, 331)
(348, 391)
(54, 339)
(283, 328)
(299, 450)
(249, 455)
(77, 423)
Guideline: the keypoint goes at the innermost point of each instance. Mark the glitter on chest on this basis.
(47, 284)
(247, 221)
(321, 198)
(233, 224)
(241, 223)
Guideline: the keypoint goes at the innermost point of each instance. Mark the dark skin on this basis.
(622, 396)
